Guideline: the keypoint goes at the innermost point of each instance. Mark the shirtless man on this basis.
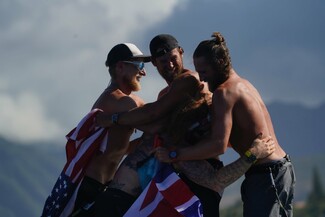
(183, 85)
(126, 68)
(238, 114)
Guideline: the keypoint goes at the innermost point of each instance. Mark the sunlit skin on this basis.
(182, 84)
(179, 80)
(235, 106)
(238, 115)
(117, 97)
(132, 79)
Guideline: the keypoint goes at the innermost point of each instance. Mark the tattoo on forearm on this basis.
(202, 173)
(231, 172)
(142, 152)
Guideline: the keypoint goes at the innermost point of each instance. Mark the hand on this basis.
(103, 120)
(162, 154)
(262, 147)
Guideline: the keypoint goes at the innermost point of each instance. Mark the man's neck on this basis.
(116, 86)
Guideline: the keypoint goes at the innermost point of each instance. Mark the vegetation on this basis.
(315, 204)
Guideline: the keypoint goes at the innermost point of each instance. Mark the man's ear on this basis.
(181, 50)
(119, 66)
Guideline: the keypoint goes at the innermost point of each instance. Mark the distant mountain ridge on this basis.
(29, 172)
(299, 129)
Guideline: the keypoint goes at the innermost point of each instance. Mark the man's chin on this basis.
(136, 87)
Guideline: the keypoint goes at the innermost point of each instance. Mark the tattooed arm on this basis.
(202, 173)
(126, 178)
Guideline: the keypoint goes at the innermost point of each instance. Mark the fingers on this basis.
(271, 146)
(152, 151)
(162, 154)
(268, 140)
(260, 136)
(159, 153)
(263, 146)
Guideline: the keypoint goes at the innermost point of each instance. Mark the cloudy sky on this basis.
(52, 53)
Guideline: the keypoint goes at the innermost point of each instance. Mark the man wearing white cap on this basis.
(125, 64)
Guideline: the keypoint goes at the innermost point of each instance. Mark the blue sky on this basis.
(52, 53)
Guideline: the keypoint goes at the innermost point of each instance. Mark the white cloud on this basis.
(56, 50)
(23, 119)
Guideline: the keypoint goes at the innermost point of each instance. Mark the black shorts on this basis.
(209, 199)
(268, 189)
(113, 203)
(88, 191)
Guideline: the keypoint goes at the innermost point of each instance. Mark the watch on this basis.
(250, 157)
(173, 155)
(114, 118)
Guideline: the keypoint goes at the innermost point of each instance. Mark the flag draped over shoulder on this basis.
(82, 142)
(166, 195)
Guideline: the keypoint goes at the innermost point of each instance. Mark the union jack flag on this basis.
(166, 195)
(83, 141)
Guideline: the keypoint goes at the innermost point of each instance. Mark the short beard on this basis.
(171, 76)
(133, 84)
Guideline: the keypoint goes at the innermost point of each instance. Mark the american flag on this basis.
(83, 141)
(166, 195)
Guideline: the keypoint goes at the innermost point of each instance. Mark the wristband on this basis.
(114, 118)
(250, 157)
(173, 155)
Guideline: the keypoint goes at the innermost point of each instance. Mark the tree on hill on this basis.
(316, 200)
(315, 204)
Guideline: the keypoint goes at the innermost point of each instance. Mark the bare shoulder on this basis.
(163, 92)
(228, 93)
(232, 87)
(138, 100)
(117, 101)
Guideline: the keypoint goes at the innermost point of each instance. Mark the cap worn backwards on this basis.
(162, 44)
(125, 52)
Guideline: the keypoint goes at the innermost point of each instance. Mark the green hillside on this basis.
(28, 173)
(26, 176)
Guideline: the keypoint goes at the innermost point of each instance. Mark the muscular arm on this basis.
(201, 172)
(216, 144)
(179, 91)
(154, 127)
